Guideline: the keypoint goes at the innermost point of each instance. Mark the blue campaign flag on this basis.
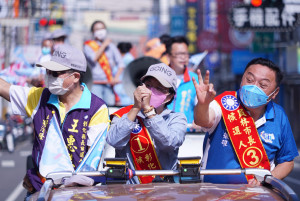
(55, 156)
(196, 59)
(91, 160)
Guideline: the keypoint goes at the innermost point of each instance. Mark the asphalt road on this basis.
(13, 167)
(12, 171)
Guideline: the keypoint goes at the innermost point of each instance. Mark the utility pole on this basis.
(6, 32)
(7, 45)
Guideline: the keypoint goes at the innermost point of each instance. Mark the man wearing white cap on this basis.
(66, 98)
(147, 133)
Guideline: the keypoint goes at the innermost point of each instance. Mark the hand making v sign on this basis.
(205, 94)
(205, 90)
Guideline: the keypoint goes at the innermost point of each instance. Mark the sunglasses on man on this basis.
(57, 73)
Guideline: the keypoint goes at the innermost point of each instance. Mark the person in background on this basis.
(156, 47)
(245, 128)
(147, 133)
(47, 44)
(37, 78)
(185, 99)
(103, 58)
(124, 48)
(81, 115)
(59, 37)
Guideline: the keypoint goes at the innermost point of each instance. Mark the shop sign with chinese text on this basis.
(283, 17)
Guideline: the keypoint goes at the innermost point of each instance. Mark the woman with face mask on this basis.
(147, 133)
(47, 45)
(106, 63)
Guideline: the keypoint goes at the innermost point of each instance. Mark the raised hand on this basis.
(142, 97)
(205, 90)
(141, 101)
(106, 42)
(146, 96)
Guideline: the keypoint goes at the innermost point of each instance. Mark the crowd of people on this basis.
(244, 128)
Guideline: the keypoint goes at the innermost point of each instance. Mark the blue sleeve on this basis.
(167, 134)
(119, 132)
(288, 149)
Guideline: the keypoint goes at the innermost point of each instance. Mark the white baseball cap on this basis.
(164, 74)
(65, 57)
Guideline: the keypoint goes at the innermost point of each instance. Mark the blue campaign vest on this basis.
(184, 100)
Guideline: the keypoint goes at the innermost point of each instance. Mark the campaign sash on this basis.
(141, 147)
(104, 64)
(103, 61)
(243, 133)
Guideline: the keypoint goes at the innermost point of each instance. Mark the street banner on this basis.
(192, 24)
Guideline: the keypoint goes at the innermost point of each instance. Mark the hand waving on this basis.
(205, 90)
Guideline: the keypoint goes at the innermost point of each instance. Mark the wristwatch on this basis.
(150, 112)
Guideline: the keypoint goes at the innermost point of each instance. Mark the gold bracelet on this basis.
(146, 111)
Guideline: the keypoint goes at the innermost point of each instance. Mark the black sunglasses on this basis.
(57, 73)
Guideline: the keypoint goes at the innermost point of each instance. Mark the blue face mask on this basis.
(252, 96)
(46, 50)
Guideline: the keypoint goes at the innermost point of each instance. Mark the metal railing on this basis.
(262, 175)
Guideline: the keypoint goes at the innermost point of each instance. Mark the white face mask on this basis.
(100, 34)
(55, 84)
